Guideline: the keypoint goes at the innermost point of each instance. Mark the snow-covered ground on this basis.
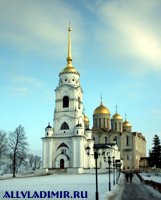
(150, 176)
(59, 182)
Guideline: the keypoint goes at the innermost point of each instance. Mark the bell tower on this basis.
(64, 144)
(68, 103)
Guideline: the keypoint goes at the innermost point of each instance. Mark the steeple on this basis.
(101, 99)
(69, 55)
(69, 66)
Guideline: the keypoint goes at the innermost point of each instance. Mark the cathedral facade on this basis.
(64, 144)
(106, 129)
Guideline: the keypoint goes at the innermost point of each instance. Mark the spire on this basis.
(101, 99)
(116, 108)
(69, 56)
(125, 116)
(69, 66)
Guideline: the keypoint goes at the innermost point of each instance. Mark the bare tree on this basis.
(30, 161)
(18, 147)
(3, 147)
(37, 162)
(34, 162)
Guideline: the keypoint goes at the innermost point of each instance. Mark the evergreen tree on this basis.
(155, 153)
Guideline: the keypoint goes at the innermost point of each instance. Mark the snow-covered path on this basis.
(136, 191)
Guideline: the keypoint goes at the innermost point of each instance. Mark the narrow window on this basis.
(95, 122)
(115, 126)
(104, 121)
(79, 102)
(99, 122)
(64, 126)
(112, 126)
(105, 140)
(63, 151)
(120, 126)
(65, 102)
(127, 140)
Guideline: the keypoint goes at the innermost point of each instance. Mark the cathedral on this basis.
(64, 144)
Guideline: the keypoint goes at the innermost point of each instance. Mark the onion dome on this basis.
(69, 70)
(101, 110)
(126, 124)
(86, 120)
(49, 125)
(116, 116)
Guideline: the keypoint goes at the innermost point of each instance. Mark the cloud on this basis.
(19, 91)
(23, 85)
(39, 26)
(132, 32)
(20, 79)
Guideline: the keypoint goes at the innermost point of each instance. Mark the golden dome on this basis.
(116, 116)
(86, 120)
(69, 70)
(101, 110)
(126, 123)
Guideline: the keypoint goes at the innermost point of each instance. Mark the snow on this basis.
(152, 191)
(71, 183)
(152, 177)
(117, 190)
(58, 182)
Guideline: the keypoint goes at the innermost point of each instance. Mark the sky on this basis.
(116, 47)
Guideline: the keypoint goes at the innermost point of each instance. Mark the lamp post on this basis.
(113, 170)
(96, 158)
(96, 148)
(109, 164)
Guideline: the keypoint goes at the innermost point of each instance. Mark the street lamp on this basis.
(113, 170)
(96, 158)
(109, 164)
(87, 150)
(96, 148)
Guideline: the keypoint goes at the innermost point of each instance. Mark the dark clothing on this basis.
(127, 176)
(131, 176)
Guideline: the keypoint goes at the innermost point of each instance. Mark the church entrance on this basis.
(62, 164)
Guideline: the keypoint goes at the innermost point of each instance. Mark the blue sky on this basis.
(116, 47)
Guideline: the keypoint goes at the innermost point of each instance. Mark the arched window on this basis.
(65, 102)
(64, 126)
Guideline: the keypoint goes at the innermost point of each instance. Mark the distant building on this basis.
(64, 144)
(144, 163)
(132, 145)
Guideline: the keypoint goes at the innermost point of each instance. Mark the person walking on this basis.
(131, 176)
(127, 176)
